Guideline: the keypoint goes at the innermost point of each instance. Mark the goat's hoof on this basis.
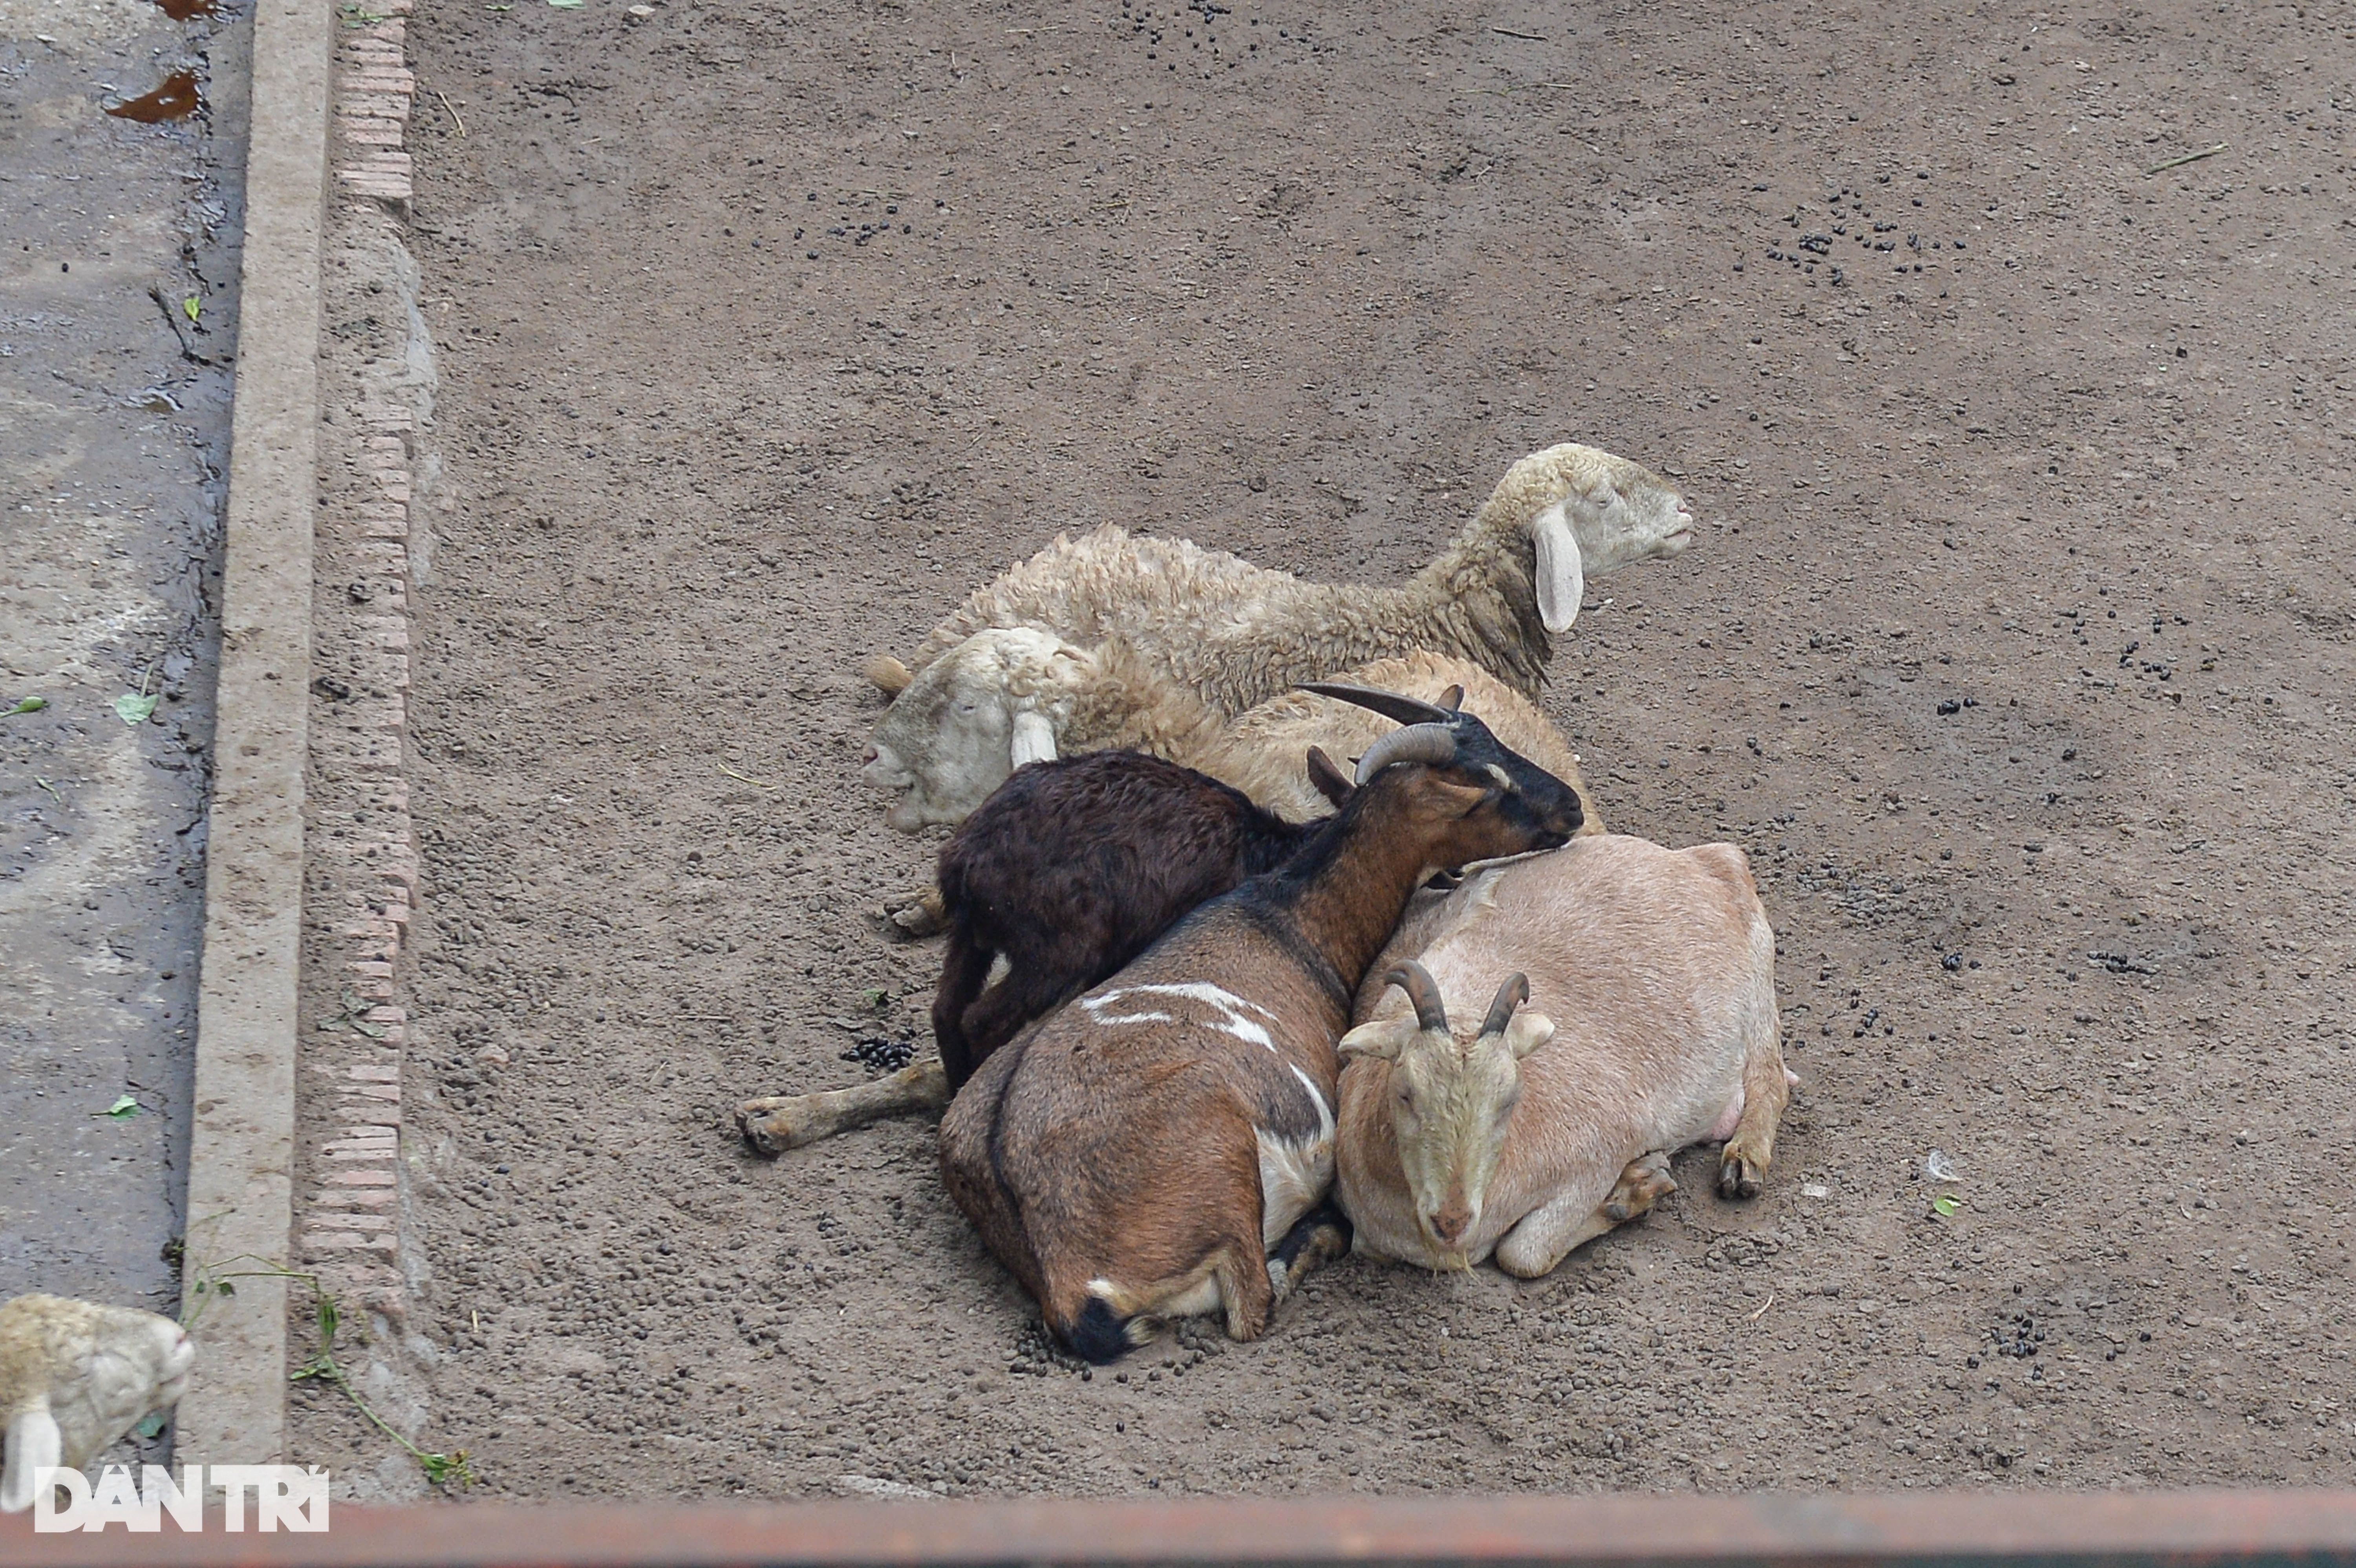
(917, 914)
(770, 1126)
(1739, 1173)
(1644, 1183)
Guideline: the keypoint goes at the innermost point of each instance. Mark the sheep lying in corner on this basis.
(1540, 1131)
(75, 1376)
(1011, 696)
(1237, 635)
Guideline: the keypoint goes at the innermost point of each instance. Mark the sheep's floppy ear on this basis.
(890, 675)
(1562, 580)
(1380, 1039)
(1528, 1033)
(1035, 738)
(33, 1444)
(1328, 778)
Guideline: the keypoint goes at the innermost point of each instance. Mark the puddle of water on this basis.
(176, 100)
(186, 10)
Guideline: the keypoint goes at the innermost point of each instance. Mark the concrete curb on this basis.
(241, 1149)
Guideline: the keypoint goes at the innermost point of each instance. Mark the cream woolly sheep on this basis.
(75, 1376)
(1237, 635)
(1006, 697)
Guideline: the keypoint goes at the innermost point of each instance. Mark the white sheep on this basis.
(1541, 1130)
(75, 1376)
(1006, 697)
(1237, 635)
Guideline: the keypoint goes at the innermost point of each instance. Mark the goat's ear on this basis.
(1529, 1031)
(890, 675)
(34, 1442)
(1380, 1039)
(1328, 778)
(1454, 800)
(1035, 738)
(1452, 698)
(1562, 579)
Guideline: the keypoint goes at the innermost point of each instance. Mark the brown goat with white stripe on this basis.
(1140, 1153)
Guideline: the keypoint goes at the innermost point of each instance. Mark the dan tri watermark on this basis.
(285, 1496)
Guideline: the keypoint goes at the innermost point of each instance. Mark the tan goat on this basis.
(1540, 1130)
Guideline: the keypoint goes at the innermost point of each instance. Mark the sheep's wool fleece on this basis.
(1239, 633)
(41, 1338)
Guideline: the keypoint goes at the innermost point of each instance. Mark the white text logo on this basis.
(285, 1496)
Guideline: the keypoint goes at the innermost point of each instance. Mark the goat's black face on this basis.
(1530, 800)
(1526, 801)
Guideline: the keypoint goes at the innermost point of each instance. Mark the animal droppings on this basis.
(880, 1055)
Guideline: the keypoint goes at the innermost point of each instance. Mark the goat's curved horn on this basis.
(1416, 743)
(1412, 977)
(1389, 704)
(1511, 994)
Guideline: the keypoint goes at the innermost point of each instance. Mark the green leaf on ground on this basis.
(29, 705)
(123, 1110)
(154, 1424)
(194, 305)
(1947, 1207)
(133, 708)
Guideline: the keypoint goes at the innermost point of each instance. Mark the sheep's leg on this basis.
(788, 1121)
(1316, 1238)
(918, 912)
(1552, 1232)
(1766, 1089)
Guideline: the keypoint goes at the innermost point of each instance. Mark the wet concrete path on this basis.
(118, 309)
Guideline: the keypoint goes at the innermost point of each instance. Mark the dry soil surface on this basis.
(2015, 651)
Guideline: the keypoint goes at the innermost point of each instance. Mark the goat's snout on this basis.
(1452, 1219)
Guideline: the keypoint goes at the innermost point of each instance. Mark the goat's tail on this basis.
(1106, 1321)
(1099, 1334)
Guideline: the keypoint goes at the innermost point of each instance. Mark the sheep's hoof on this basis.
(917, 914)
(1644, 1183)
(775, 1125)
(1740, 1172)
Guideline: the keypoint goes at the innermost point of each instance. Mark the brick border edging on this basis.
(349, 1227)
(241, 1137)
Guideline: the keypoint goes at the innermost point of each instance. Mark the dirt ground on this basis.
(2015, 650)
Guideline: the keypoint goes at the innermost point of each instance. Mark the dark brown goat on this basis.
(1141, 1153)
(1072, 868)
(1069, 870)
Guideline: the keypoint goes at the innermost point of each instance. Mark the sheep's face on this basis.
(138, 1362)
(1626, 513)
(960, 727)
(1450, 1107)
(132, 1362)
(1619, 512)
